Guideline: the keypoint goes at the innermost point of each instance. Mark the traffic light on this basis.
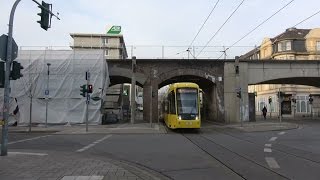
(310, 99)
(83, 90)
(2, 74)
(16, 71)
(239, 93)
(237, 69)
(45, 21)
(281, 94)
(270, 100)
(125, 92)
(90, 88)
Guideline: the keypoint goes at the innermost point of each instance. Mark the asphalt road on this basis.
(209, 154)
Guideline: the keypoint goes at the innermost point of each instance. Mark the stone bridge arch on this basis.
(209, 82)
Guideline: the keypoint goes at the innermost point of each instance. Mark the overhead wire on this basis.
(286, 5)
(214, 7)
(221, 27)
(306, 18)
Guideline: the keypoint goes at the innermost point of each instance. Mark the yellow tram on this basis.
(181, 106)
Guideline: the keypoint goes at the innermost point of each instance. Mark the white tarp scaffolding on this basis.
(67, 74)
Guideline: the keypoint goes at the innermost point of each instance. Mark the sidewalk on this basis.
(69, 166)
(126, 128)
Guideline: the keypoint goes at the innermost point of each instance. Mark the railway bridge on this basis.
(219, 79)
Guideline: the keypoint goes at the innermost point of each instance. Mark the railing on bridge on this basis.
(185, 52)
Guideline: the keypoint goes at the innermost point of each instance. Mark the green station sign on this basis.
(114, 30)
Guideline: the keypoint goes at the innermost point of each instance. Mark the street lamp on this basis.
(47, 93)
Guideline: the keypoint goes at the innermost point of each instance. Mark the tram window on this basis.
(172, 103)
(187, 100)
(169, 103)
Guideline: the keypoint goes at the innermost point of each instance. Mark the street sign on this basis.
(87, 75)
(96, 98)
(46, 92)
(88, 97)
(3, 48)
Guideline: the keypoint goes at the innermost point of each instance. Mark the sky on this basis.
(147, 25)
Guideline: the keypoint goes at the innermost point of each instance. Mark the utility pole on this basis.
(133, 90)
(47, 94)
(238, 88)
(88, 99)
(280, 102)
(4, 140)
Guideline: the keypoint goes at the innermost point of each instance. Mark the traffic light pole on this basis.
(4, 138)
(88, 99)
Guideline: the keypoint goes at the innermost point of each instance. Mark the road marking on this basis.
(268, 145)
(281, 133)
(273, 138)
(27, 153)
(94, 143)
(269, 150)
(272, 163)
(82, 178)
(30, 139)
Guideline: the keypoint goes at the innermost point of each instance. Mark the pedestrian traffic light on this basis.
(45, 21)
(16, 71)
(310, 99)
(2, 74)
(125, 92)
(239, 93)
(270, 100)
(83, 90)
(90, 88)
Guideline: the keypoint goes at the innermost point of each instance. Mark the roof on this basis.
(250, 53)
(291, 33)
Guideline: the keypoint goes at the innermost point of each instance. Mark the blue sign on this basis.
(46, 92)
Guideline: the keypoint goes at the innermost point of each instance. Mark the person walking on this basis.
(264, 112)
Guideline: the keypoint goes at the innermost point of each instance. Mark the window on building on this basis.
(318, 46)
(303, 105)
(106, 52)
(105, 41)
(284, 46)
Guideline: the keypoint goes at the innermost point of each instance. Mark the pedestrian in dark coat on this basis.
(264, 112)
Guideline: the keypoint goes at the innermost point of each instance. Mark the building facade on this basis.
(113, 45)
(293, 44)
(114, 48)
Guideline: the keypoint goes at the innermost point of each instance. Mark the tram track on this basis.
(231, 151)
(274, 148)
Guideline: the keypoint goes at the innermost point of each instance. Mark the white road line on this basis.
(281, 133)
(268, 145)
(27, 153)
(30, 139)
(272, 163)
(269, 150)
(82, 178)
(273, 138)
(93, 144)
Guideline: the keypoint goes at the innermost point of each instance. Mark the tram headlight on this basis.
(179, 117)
(197, 117)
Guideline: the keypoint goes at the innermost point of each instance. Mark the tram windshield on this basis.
(187, 101)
